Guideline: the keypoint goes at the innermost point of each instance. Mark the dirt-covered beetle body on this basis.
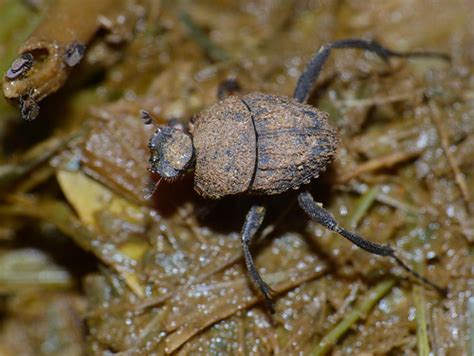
(265, 144)
(260, 144)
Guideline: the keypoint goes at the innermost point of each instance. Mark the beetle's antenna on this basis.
(147, 118)
(151, 189)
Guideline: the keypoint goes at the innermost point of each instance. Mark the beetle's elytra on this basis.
(260, 144)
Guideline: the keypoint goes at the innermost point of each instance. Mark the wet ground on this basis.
(89, 266)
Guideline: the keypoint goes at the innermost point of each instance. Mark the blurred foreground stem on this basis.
(421, 328)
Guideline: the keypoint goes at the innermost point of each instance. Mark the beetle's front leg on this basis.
(253, 220)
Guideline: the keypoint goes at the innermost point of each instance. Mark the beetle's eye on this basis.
(171, 151)
(153, 144)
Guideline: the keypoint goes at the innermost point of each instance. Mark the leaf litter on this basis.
(166, 275)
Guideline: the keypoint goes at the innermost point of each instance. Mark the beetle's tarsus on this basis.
(440, 290)
(313, 68)
(323, 217)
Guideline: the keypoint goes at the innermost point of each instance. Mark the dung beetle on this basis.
(261, 144)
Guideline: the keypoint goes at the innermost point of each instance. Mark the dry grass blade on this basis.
(244, 297)
(383, 198)
(378, 163)
(421, 327)
(380, 100)
(458, 176)
(212, 50)
(471, 326)
(363, 205)
(360, 311)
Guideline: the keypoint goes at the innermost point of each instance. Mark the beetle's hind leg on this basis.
(253, 220)
(323, 217)
(313, 68)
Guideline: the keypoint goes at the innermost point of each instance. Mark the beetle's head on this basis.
(171, 151)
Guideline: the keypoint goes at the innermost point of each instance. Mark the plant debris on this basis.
(90, 266)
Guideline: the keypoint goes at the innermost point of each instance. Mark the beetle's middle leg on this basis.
(253, 220)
